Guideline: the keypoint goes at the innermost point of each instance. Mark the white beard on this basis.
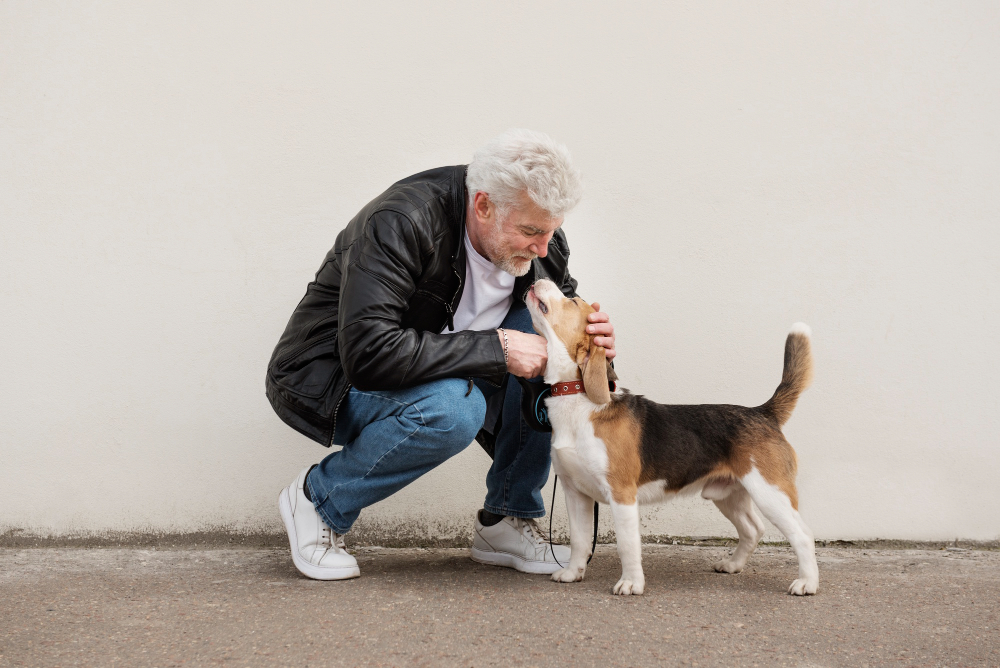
(505, 259)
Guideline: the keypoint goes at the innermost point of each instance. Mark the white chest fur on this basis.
(578, 455)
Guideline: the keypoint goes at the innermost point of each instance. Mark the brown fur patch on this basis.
(722, 472)
(773, 456)
(569, 321)
(621, 433)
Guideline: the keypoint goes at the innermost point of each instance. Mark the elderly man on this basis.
(402, 347)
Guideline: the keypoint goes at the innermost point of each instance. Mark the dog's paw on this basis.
(625, 587)
(568, 575)
(803, 587)
(727, 566)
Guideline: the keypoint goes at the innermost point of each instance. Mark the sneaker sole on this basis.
(513, 561)
(309, 570)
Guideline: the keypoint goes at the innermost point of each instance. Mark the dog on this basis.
(622, 449)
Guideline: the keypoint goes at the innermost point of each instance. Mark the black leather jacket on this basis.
(387, 288)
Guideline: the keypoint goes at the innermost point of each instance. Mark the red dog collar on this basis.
(575, 387)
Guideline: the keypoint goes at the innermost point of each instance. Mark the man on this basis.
(402, 347)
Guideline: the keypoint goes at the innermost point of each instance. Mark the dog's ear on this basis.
(596, 371)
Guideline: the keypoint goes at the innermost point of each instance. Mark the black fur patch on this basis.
(682, 443)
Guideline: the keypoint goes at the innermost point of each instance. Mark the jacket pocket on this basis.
(309, 368)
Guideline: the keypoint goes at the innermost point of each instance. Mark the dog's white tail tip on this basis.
(801, 328)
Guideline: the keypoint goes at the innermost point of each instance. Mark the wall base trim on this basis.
(371, 534)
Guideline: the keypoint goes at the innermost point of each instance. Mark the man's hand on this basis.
(601, 325)
(527, 354)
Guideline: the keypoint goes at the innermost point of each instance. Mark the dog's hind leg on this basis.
(581, 519)
(777, 507)
(738, 509)
(629, 548)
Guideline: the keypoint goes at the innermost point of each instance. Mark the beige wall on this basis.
(171, 175)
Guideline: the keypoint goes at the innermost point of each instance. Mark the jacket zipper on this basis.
(451, 317)
(451, 307)
(333, 428)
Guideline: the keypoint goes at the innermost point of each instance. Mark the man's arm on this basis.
(380, 274)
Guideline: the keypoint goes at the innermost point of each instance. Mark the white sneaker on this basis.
(317, 551)
(516, 543)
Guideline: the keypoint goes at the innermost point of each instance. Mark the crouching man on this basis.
(402, 347)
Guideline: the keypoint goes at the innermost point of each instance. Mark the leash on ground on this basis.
(552, 510)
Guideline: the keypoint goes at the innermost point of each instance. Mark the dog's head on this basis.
(572, 352)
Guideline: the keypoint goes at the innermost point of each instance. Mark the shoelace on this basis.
(326, 537)
(529, 530)
(332, 540)
(533, 528)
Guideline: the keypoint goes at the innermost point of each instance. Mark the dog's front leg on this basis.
(626, 518)
(581, 518)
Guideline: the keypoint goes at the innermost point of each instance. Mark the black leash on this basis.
(552, 509)
(533, 409)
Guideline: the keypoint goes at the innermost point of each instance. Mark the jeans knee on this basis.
(453, 409)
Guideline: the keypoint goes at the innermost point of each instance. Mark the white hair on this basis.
(523, 161)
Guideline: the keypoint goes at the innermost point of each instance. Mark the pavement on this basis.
(435, 607)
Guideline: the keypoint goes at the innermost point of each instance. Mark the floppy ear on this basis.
(595, 375)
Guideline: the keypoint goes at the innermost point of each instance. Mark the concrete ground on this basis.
(435, 607)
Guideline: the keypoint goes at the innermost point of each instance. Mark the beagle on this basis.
(622, 449)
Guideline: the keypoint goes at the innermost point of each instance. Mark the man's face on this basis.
(519, 237)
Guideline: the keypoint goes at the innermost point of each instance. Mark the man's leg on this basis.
(505, 532)
(521, 459)
(390, 439)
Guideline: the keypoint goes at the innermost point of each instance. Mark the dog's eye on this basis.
(542, 307)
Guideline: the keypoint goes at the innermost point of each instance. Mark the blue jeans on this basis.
(393, 437)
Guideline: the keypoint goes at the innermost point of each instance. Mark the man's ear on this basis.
(595, 375)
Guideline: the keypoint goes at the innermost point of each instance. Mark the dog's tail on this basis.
(796, 376)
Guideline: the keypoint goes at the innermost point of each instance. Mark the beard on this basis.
(515, 264)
